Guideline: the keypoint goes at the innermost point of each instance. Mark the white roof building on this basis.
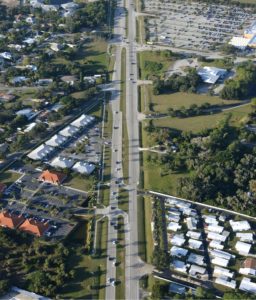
(174, 211)
(30, 126)
(216, 245)
(179, 266)
(243, 248)
(194, 235)
(226, 282)
(240, 42)
(221, 254)
(195, 244)
(18, 79)
(215, 228)
(83, 167)
(173, 226)
(40, 152)
(220, 261)
(192, 223)
(211, 74)
(177, 251)
(249, 267)
(172, 218)
(247, 286)
(240, 225)
(6, 55)
(245, 237)
(196, 259)
(219, 271)
(69, 131)
(194, 270)
(178, 240)
(69, 6)
(56, 140)
(216, 236)
(62, 162)
(210, 219)
(82, 121)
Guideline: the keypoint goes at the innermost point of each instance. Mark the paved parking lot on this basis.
(194, 25)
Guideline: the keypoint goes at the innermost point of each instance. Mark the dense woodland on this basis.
(31, 264)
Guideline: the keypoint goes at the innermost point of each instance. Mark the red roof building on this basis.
(34, 227)
(10, 220)
(52, 177)
(2, 187)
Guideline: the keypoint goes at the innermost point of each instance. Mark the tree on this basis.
(4, 286)
(158, 291)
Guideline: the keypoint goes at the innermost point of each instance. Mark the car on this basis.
(116, 112)
(111, 258)
(115, 242)
(115, 127)
(112, 207)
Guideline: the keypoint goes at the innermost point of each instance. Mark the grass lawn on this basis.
(80, 183)
(125, 141)
(9, 177)
(161, 103)
(89, 280)
(123, 200)
(120, 270)
(145, 234)
(153, 57)
(196, 124)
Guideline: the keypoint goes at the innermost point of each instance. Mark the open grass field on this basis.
(81, 183)
(161, 103)
(154, 57)
(196, 124)
(9, 177)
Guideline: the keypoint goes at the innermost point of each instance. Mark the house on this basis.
(44, 81)
(18, 79)
(221, 254)
(195, 244)
(220, 261)
(245, 237)
(56, 141)
(211, 74)
(62, 162)
(30, 20)
(6, 97)
(177, 251)
(210, 219)
(52, 177)
(172, 217)
(9, 220)
(247, 285)
(19, 294)
(34, 227)
(240, 225)
(196, 259)
(29, 127)
(29, 41)
(82, 121)
(215, 228)
(69, 131)
(40, 152)
(249, 267)
(226, 282)
(173, 226)
(195, 270)
(192, 223)
(219, 271)
(83, 167)
(2, 187)
(69, 79)
(178, 239)
(216, 236)
(194, 235)
(27, 112)
(179, 266)
(177, 288)
(56, 47)
(6, 55)
(243, 248)
(216, 245)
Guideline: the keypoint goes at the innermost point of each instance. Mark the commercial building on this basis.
(40, 152)
(34, 227)
(84, 167)
(56, 141)
(240, 42)
(52, 177)
(9, 220)
(211, 74)
(62, 162)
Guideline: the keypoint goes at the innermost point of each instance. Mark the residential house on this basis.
(247, 285)
(243, 248)
(240, 225)
(83, 167)
(40, 152)
(226, 282)
(62, 162)
(249, 267)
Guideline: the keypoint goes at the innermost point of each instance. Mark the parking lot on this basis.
(194, 25)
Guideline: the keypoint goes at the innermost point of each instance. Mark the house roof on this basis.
(62, 162)
(243, 248)
(82, 121)
(34, 227)
(10, 220)
(240, 225)
(250, 263)
(69, 131)
(52, 176)
(40, 152)
(2, 187)
(56, 140)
